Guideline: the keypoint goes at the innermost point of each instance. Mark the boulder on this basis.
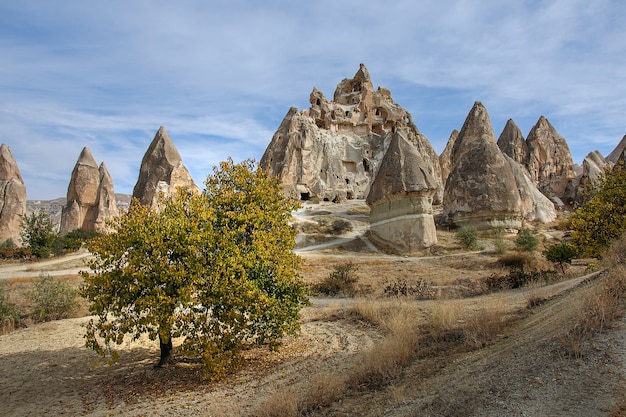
(400, 199)
(12, 197)
(333, 150)
(550, 162)
(481, 191)
(162, 171)
(512, 143)
(445, 159)
(90, 196)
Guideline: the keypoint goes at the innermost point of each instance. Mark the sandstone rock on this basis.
(106, 206)
(513, 144)
(534, 205)
(12, 197)
(481, 191)
(549, 160)
(445, 159)
(618, 152)
(161, 171)
(401, 216)
(333, 150)
(90, 196)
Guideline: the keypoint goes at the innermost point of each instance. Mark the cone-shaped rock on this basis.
(162, 171)
(512, 143)
(89, 191)
(82, 194)
(12, 197)
(401, 196)
(549, 160)
(333, 150)
(445, 159)
(106, 205)
(618, 152)
(593, 165)
(481, 191)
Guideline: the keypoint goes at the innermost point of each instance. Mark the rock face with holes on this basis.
(401, 196)
(481, 191)
(12, 197)
(333, 150)
(90, 196)
(161, 171)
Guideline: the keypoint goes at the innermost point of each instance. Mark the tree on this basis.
(38, 233)
(215, 269)
(560, 253)
(602, 217)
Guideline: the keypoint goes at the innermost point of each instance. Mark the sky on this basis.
(221, 75)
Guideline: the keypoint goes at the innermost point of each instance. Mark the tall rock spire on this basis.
(90, 189)
(161, 170)
(12, 197)
(481, 191)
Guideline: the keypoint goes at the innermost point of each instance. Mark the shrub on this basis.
(560, 253)
(526, 241)
(9, 314)
(8, 244)
(516, 260)
(402, 288)
(341, 281)
(38, 233)
(467, 238)
(52, 299)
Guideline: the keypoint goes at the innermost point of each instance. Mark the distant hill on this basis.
(54, 207)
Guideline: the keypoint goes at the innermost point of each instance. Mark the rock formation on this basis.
(513, 144)
(333, 150)
(162, 171)
(534, 205)
(12, 197)
(401, 195)
(549, 160)
(618, 152)
(481, 191)
(445, 159)
(90, 196)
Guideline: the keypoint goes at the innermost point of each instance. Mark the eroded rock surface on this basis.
(90, 196)
(12, 197)
(513, 144)
(445, 159)
(333, 150)
(617, 153)
(401, 216)
(550, 162)
(481, 191)
(162, 171)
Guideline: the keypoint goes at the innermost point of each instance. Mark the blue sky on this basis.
(221, 75)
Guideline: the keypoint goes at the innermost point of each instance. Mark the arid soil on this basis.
(46, 370)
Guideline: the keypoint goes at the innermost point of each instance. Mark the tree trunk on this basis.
(166, 350)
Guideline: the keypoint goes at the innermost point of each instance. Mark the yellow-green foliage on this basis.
(216, 269)
(602, 218)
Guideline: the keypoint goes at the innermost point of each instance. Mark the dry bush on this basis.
(386, 360)
(359, 210)
(445, 320)
(484, 324)
(595, 311)
(382, 313)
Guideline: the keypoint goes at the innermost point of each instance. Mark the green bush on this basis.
(8, 244)
(341, 282)
(52, 299)
(38, 233)
(526, 241)
(15, 253)
(560, 253)
(467, 238)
